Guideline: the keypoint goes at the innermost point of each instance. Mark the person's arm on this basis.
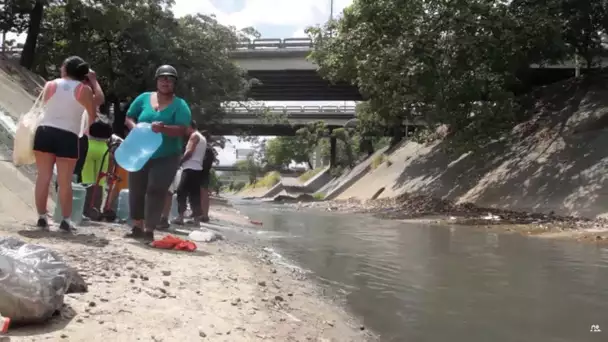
(85, 97)
(49, 90)
(98, 95)
(183, 117)
(190, 147)
(134, 111)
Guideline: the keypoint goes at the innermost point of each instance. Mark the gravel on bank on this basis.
(222, 292)
(422, 208)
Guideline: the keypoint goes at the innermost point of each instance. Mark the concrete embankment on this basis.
(555, 162)
(16, 186)
(291, 187)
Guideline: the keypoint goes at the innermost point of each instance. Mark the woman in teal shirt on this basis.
(170, 116)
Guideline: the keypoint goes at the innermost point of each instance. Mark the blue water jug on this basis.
(122, 209)
(137, 148)
(79, 194)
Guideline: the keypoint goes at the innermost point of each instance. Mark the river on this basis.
(418, 282)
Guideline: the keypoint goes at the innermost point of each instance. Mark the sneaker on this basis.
(178, 220)
(204, 219)
(148, 237)
(164, 224)
(136, 233)
(42, 223)
(66, 226)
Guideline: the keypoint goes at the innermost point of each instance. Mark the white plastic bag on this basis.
(23, 143)
(33, 281)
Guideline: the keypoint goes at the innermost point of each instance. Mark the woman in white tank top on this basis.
(189, 188)
(56, 138)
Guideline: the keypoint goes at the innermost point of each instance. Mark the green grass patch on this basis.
(318, 196)
(269, 180)
(309, 174)
(378, 160)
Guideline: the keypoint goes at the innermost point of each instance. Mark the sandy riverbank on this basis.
(222, 292)
(424, 209)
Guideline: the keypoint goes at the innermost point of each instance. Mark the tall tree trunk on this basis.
(33, 31)
(3, 42)
(73, 15)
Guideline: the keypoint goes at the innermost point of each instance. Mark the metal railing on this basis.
(12, 52)
(292, 109)
(274, 43)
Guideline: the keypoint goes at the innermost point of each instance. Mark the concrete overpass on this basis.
(286, 74)
(285, 120)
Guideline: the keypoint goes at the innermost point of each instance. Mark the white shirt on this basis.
(196, 159)
(62, 110)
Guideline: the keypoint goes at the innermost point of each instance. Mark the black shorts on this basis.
(61, 143)
(205, 178)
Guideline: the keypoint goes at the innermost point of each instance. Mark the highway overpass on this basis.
(286, 74)
(285, 120)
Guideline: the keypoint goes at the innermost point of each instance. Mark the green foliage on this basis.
(236, 186)
(250, 166)
(281, 151)
(318, 196)
(456, 63)
(125, 41)
(269, 180)
(378, 160)
(309, 174)
(214, 180)
(14, 15)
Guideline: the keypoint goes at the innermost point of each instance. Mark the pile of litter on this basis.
(33, 281)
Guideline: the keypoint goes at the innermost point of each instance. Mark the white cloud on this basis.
(299, 14)
(256, 12)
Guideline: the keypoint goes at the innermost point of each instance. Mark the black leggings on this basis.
(83, 149)
(189, 188)
(148, 189)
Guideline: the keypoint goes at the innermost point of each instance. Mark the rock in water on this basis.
(205, 235)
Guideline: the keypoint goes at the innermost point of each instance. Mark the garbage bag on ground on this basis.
(204, 235)
(33, 281)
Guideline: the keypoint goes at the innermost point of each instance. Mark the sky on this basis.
(273, 19)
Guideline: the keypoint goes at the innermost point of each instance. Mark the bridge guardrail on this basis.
(292, 109)
(274, 43)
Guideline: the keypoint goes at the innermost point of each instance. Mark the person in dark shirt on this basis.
(208, 161)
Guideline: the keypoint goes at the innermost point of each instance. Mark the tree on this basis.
(447, 62)
(125, 41)
(251, 166)
(33, 31)
(13, 18)
(310, 135)
(281, 151)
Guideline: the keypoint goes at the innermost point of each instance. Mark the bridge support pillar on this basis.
(332, 152)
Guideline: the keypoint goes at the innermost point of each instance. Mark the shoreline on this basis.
(427, 210)
(224, 291)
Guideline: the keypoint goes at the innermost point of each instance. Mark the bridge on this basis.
(225, 168)
(285, 120)
(286, 74)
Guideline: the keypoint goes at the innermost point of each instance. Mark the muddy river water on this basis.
(418, 282)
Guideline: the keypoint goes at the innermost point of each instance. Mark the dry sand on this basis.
(222, 292)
